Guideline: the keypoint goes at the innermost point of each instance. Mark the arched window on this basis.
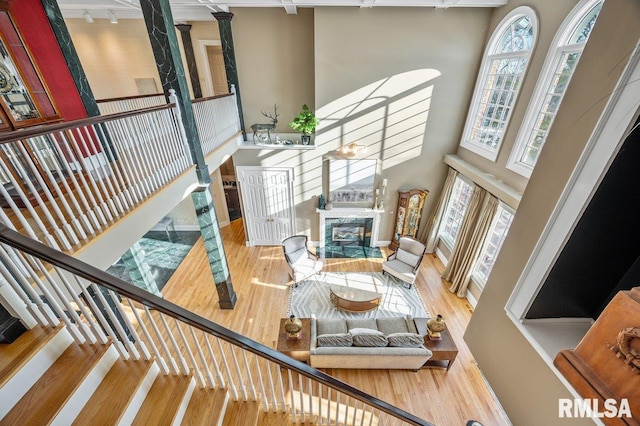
(556, 73)
(499, 81)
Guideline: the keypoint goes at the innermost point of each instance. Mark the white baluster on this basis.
(163, 344)
(187, 347)
(232, 385)
(272, 389)
(130, 172)
(147, 335)
(329, 410)
(23, 221)
(31, 300)
(263, 391)
(310, 392)
(176, 349)
(119, 330)
(283, 398)
(106, 170)
(301, 395)
(243, 388)
(254, 395)
(203, 360)
(294, 414)
(123, 188)
(137, 341)
(216, 367)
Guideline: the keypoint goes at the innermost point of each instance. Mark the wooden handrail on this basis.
(97, 276)
(127, 98)
(30, 132)
(209, 98)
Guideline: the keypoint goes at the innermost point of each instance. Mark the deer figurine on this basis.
(264, 126)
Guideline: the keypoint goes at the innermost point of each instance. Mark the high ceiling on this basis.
(200, 10)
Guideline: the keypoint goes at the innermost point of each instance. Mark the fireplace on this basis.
(349, 227)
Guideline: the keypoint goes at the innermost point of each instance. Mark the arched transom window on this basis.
(499, 81)
(560, 64)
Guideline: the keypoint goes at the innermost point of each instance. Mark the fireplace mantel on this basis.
(351, 212)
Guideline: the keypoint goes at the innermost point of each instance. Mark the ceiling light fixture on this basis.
(112, 17)
(87, 17)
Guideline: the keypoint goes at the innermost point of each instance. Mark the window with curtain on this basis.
(499, 80)
(560, 64)
(492, 244)
(454, 212)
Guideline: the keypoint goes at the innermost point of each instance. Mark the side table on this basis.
(444, 350)
(298, 349)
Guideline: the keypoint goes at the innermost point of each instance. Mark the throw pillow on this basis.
(338, 339)
(362, 323)
(392, 325)
(330, 326)
(405, 339)
(366, 337)
(408, 258)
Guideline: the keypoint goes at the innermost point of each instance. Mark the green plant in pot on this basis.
(305, 122)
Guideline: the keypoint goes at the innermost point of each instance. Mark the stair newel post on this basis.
(227, 369)
(214, 359)
(187, 347)
(163, 344)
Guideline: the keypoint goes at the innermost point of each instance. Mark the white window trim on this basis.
(539, 93)
(445, 238)
(466, 142)
(477, 278)
(601, 149)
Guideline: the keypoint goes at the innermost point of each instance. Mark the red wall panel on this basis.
(32, 23)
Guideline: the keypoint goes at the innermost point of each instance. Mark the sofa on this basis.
(382, 343)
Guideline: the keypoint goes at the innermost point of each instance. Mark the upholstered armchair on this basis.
(405, 261)
(302, 263)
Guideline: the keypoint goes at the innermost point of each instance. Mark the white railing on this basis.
(63, 183)
(144, 326)
(214, 133)
(130, 103)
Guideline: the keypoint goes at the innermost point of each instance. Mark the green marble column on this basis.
(187, 44)
(70, 55)
(229, 55)
(208, 221)
(135, 263)
(164, 43)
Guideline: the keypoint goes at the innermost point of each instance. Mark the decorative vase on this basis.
(322, 202)
(435, 326)
(293, 326)
(306, 139)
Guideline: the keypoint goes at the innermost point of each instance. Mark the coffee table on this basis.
(353, 299)
(444, 350)
(298, 349)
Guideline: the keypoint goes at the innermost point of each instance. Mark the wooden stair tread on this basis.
(49, 394)
(163, 400)
(205, 407)
(241, 413)
(14, 356)
(107, 406)
(272, 418)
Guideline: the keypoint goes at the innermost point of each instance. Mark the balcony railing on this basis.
(129, 103)
(99, 308)
(64, 183)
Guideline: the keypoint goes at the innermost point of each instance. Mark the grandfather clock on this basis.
(408, 214)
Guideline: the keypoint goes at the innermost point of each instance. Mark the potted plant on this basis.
(305, 122)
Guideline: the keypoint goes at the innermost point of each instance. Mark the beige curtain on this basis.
(465, 254)
(430, 233)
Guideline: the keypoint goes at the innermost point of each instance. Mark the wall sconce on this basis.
(112, 17)
(352, 149)
(87, 17)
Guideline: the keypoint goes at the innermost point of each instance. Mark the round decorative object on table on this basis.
(435, 326)
(293, 326)
(328, 206)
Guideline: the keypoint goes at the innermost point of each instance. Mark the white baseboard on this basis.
(440, 255)
(472, 300)
(383, 244)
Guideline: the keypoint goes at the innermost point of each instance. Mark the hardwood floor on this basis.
(260, 281)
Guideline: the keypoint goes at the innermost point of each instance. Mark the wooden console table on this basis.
(298, 349)
(444, 350)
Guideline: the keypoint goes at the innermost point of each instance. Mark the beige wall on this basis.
(113, 55)
(395, 79)
(527, 388)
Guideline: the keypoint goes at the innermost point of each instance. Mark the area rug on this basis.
(312, 296)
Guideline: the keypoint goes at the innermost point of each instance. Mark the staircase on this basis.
(101, 351)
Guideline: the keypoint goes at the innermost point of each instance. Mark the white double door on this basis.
(269, 209)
